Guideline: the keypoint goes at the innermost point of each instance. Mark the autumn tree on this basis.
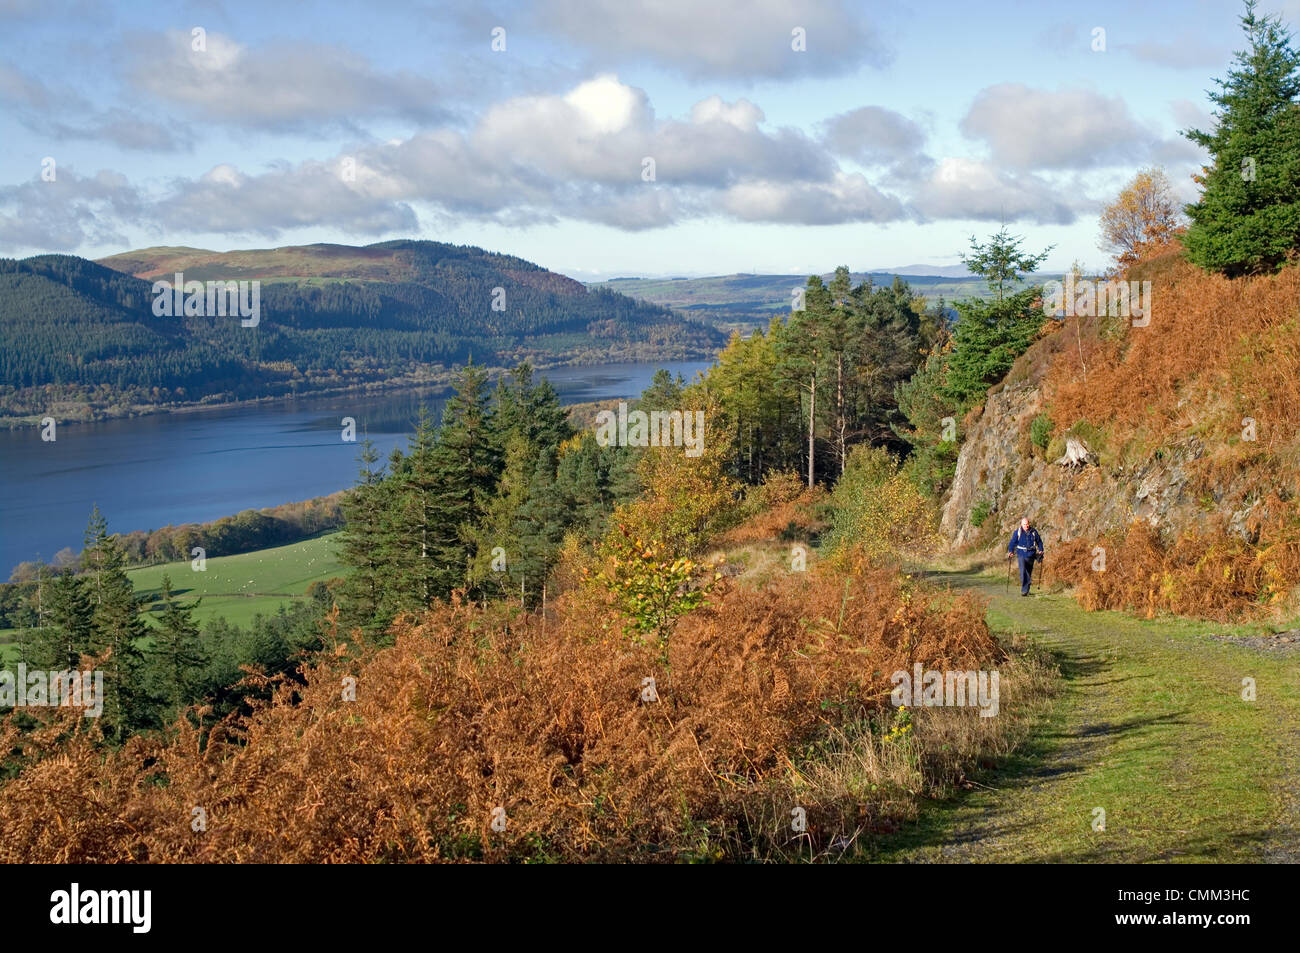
(1143, 217)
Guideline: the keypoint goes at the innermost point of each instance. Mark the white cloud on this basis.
(286, 86)
(742, 114)
(875, 135)
(1069, 129)
(62, 115)
(845, 198)
(971, 189)
(748, 39)
(69, 212)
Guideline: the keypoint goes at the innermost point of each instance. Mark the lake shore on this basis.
(437, 378)
(192, 467)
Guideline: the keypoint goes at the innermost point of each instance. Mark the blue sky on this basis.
(896, 134)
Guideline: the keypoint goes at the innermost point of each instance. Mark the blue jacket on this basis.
(1025, 544)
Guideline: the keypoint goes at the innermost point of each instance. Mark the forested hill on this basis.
(77, 335)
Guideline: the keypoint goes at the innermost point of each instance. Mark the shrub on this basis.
(876, 510)
(980, 512)
(1210, 573)
(1040, 431)
(476, 711)
(651, 586)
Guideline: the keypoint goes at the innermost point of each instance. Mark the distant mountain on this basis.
(934, 271)
(743, 302)
(79, 332)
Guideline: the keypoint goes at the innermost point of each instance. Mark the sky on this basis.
(600, 138)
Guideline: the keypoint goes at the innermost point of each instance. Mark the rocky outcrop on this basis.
(1001, 477)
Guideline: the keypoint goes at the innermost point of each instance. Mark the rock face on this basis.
(1000, 475)
(987, 465)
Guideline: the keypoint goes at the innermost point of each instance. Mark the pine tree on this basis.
(116, 627)
(441, 490)
(178, 656)
(69, 629)
(990, 335)
(802, 349)
(498, 530)
(408, 532)
(364, 546)
(1248, 218)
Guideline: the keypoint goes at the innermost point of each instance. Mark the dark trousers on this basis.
(1026, 571)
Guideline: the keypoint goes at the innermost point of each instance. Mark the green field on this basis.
(239, 587)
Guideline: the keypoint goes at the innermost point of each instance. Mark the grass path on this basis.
(1151, 726)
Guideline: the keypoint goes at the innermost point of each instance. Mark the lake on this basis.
(192, 467)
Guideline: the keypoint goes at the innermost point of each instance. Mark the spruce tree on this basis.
(364, 546)
(178, 656)
(1248, 218)
(582, 485)
(664, 392)
(69, 629)
(408, 536)
(498, 530)
(541, 523)
(116, 627)
(990, 335)
(528, 410)
(441, 490)
(464, 465)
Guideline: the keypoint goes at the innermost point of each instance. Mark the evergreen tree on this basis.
(990, 335)
(582, 484)
(409, 531)
(498, 530)
(802, 350)
(1248, 218)
(543, 518)
(178, 656)
(528, 410)
(664, 392)
(69, 629)
(116, 626)
(443, 487)
(464, 463)
(364, 546)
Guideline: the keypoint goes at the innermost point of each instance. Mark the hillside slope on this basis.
(331, 316)
(1192, 422)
